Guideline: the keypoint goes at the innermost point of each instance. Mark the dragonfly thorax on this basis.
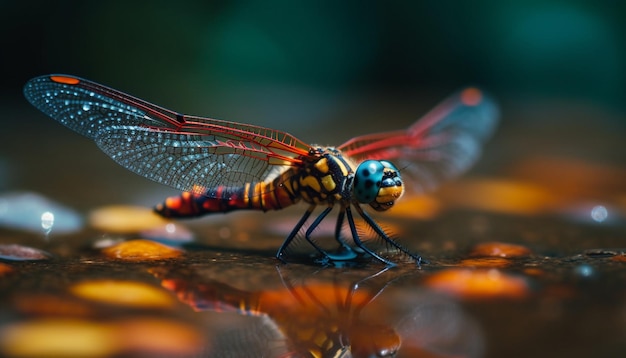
(325, 179)
(377, 183)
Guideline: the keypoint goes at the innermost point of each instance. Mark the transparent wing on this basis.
(441, 145)
(186, 152)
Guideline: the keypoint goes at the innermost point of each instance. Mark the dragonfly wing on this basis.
(187, 152)
(89, 108)
(439, 146)
(189, 162)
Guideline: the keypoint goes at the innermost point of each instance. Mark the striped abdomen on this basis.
(273, 195)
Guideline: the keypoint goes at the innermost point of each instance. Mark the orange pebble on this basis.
(141, 250)
(500, 249)
(165, 337)
(619, 258)
(533, 271)
(124, 293)
(476, 284)
(4, 269)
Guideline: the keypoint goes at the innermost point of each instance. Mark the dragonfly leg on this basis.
(359, 243)
(368, 219)
(346, 254)
(342, 243)
(293, 233)
(371, 294)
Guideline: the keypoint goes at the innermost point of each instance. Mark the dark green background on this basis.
(183, 52)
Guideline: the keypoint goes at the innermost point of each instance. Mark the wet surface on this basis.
(527, 257)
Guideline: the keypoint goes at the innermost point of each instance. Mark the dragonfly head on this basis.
(377, 183)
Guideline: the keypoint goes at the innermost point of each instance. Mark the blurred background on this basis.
(324, 71)
(186, 53)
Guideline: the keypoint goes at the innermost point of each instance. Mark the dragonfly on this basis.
(222, 166)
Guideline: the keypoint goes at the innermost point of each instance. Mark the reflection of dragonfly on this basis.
(224, 166)
(309, 319)
(329, 313)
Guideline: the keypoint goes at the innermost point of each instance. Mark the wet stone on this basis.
(30, 211)
(600, 253)
(13, 252)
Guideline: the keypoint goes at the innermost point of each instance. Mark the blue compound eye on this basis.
(389, 165)
(367, 180)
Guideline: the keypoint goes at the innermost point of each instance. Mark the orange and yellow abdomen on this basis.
(264, 196)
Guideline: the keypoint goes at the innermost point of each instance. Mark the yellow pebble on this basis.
(141, 250)
(58, 338)
(125, 219)
(123, 293)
